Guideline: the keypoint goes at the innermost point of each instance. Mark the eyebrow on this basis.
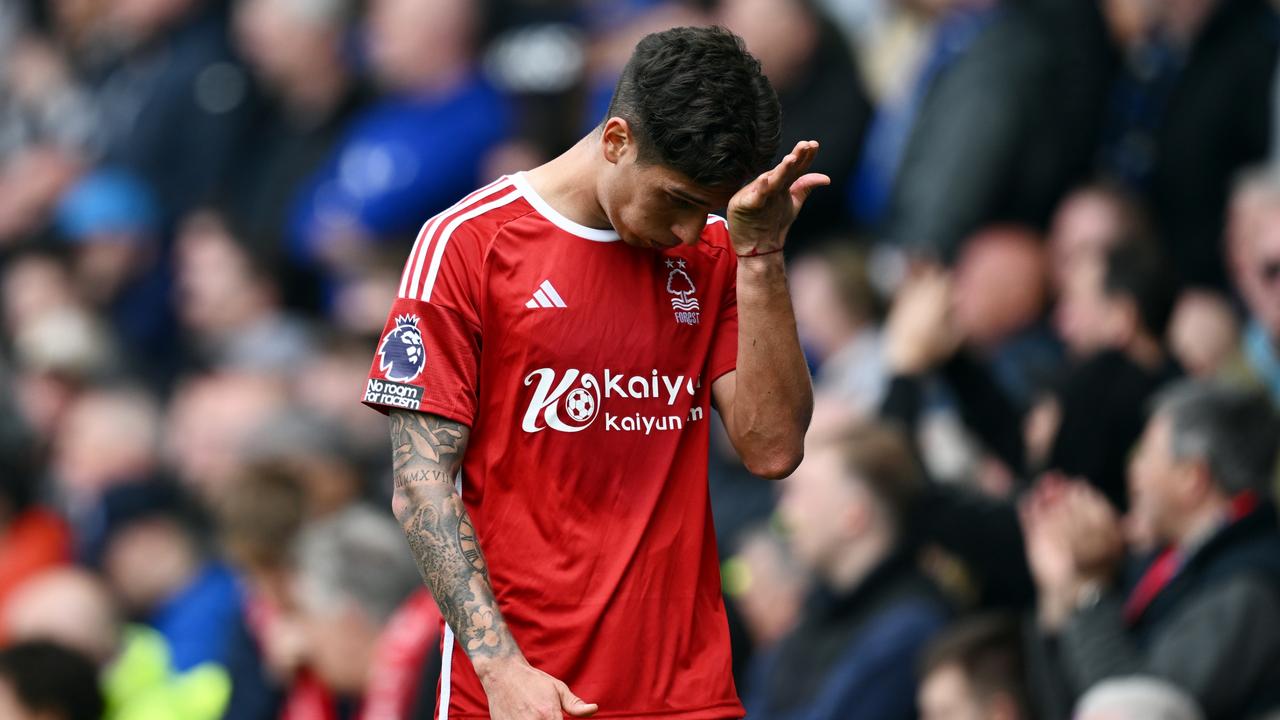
(677, 192)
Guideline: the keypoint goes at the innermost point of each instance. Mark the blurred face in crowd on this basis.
(1087, 319)
(420, 43)
(340, 642)
(1162, 488)
(821, 320)
(148, 561)
(70, 607)
(1084, 227)
(284, 41)
(32, 286)
(947, 694)
(650, 205)
(771, 598)
(1203, 333)
(143, 18)
(999, 284)
(781, 34)
(211, 421)
(106, 438)
(824, 509)
(216, 287)
(1260, 266)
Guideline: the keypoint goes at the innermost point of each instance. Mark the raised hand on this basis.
(761, 212)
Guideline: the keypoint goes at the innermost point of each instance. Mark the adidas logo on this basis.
(546, 297)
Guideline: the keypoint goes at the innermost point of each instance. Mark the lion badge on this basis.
(401, 356)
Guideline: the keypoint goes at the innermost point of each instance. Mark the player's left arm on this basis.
(767, 401)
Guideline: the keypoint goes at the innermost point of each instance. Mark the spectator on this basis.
(157, 568)
(70, 607)
(212, 419)
(414, 152)
(32, 538)
(174, 105)
(316, 452)
(1204, 613)
(74, 608)
(853, 654)
(837, 314)
(228, 302)
(298, 50)
(112, 222)
(1000, 291)
(109, 439)
(1204, 333)
(969, 143)
(1190, 108)
(44, 681)
(975, 670)
(47, 125)
(1087, 224)
(819, 85)
(1118, 317)
(1137, 698)
(353, 575)
(259, 521)
(1256, 269)
(767, 584)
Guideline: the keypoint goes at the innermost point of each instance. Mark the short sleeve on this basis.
(428, 355)
(723, 357)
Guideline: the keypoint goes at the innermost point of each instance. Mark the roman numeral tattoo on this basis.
(427, 452)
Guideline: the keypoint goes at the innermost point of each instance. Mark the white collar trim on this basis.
(560, 221)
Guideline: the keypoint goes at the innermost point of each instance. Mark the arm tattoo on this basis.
(427, 452)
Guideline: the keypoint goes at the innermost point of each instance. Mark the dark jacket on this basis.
(1205, 117)
(1213, 630)
(980, 147)
(854, 655)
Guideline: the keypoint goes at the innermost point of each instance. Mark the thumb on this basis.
(805, 184)
(574, 705)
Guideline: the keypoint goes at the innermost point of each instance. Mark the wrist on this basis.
(489, 667)
(763, 264)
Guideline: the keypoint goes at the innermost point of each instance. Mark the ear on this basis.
(616, 140)
(1198, 483)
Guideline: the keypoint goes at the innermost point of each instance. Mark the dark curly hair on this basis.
(52, 680)
(697, 102)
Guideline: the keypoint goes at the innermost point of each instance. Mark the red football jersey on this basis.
(583, 367)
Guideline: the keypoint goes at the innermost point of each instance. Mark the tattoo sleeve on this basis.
(427, 452)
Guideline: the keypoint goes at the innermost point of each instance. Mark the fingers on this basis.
(786, 172)
(801, 188)
(574, 705)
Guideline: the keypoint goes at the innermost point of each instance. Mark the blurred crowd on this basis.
(1041, 303)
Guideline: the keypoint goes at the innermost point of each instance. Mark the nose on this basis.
(689, 232)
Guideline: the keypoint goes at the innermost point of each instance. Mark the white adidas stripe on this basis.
(551, 293)
(409, 282)
(546, 297)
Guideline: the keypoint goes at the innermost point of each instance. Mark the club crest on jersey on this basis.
(680, 287)
(401, 355)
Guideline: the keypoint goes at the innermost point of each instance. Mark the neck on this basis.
(559, 182)
(319, 91)
(855, 562)
(1145, 351)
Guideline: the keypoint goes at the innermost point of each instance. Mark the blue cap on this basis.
(112, 203)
